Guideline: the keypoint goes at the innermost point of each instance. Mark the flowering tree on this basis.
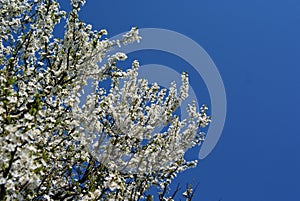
(105, 149)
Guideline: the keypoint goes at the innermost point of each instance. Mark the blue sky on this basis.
(256, 47)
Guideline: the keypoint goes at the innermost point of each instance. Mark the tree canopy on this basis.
(53, 146)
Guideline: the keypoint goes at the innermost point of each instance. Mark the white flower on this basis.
(28, 116)
(52, 138)
(11, 128)
(2, 180)
(12, 99)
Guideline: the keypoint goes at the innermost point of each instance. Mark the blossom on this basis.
(53, 144)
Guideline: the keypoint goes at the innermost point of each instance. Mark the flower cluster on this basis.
(107, 149)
